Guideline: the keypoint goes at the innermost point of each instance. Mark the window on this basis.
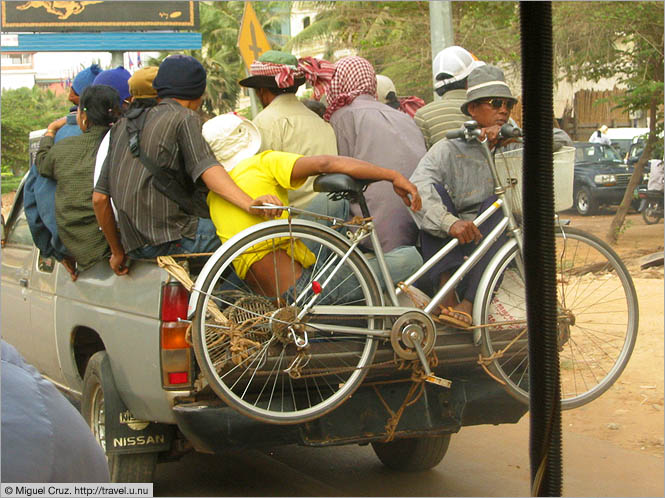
(19, 233)
(16, 59)
(306, 22)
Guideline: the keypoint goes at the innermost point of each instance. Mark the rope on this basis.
(414, 394)
(485, 361)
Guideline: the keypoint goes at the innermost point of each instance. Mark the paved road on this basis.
(481, 461)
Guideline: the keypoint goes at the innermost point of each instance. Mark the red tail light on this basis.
(174, 302)
(177, 360)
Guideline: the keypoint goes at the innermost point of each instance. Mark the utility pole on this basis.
(441, 27)
(117, 58)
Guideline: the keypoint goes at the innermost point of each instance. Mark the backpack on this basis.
(174, 184)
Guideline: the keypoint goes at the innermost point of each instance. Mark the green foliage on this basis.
(25, 110)
(10, 183)
(614, 39)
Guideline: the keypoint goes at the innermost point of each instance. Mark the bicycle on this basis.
(293, 357)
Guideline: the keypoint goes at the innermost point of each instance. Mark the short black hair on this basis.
(455, 85)
(101, 104)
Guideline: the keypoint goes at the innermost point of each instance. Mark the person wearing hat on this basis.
(600, 136)
(371, 131)
(150, 224)
(451, 68)
(142, 95)
(116, 78)
(39, 191)
(386, 93)
(285, 123)
(456, 185)
(236, 142)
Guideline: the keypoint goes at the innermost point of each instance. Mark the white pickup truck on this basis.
(105, 341)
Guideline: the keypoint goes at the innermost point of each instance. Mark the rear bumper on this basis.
(212, 426)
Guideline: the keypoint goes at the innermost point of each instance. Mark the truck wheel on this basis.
(584, 202)
(134, 467)
(413, 454)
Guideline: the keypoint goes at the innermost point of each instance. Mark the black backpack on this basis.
(174, 184)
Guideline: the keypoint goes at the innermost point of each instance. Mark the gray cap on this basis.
(486, 82)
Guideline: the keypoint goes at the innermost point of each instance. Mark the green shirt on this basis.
(441, 116)
(71, 163)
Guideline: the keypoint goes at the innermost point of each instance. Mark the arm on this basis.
(218, 180)
(361, 170)
(101, 203)
(44, 162)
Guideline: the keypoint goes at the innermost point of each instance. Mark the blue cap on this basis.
(116, 78)
(85, 78)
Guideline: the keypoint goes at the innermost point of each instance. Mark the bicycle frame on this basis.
(507, 222)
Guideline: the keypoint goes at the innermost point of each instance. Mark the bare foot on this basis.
(70, 265)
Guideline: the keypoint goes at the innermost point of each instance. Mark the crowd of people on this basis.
(133, 172)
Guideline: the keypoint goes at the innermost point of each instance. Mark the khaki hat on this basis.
(140, 84)
(485, 82)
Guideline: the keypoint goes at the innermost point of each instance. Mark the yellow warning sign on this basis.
(252, 41)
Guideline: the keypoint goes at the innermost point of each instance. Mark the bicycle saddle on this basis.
(339, 182)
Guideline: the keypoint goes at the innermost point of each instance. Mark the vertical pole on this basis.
(253, 100)
(441, 27)
(117, 58)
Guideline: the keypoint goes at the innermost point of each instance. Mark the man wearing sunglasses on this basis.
(455, 184)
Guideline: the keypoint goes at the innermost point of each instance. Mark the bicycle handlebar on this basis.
(472, 130)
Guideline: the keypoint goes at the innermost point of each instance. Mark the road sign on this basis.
(252, 41)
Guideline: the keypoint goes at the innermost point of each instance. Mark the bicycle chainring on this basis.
(409, 327)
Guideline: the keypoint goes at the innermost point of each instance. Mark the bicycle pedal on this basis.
(433, 379)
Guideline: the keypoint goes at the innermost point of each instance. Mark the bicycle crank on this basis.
(412, 337)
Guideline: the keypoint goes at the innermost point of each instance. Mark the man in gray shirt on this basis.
(455, 183)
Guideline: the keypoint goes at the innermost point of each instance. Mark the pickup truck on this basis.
(105, 341)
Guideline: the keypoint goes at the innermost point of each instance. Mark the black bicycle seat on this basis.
(339, 182)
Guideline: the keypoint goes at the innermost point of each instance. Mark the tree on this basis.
(25, 110)
(622, 40)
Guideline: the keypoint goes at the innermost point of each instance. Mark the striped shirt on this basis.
(441, 116)
(172, 138)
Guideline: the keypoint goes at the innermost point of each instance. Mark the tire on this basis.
(585, 204)
(413, 454)
(253, 378)
(134, 467)
(598, 323)
(651, 213)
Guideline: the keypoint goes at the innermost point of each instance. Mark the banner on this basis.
(99, 16)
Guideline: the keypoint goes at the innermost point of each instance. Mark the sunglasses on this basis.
(499, 103)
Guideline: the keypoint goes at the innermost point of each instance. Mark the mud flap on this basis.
(124, 433)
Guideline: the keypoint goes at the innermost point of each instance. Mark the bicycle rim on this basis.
(597, 326)
(253, 363)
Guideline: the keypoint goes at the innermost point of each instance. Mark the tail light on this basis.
(176, 350)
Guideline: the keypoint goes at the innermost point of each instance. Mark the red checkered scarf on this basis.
(317, 72)
(353, 76)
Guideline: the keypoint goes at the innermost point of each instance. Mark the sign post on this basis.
(252, 42)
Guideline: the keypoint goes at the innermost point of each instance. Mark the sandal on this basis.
(448, 316)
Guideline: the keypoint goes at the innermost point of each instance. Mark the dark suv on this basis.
(600, 177)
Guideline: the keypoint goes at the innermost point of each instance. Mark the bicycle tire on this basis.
(592, 283)
(337, 364)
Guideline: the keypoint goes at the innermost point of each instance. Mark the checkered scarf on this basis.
(353, 76)
(317, 72)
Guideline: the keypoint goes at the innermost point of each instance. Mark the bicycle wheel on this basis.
(597, 326)
(265, 362)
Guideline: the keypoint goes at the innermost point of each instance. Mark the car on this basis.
(600, 177)
(622, 138)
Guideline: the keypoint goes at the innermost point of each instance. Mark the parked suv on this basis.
(601, 177)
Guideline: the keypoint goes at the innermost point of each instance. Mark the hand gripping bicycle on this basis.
(295, 356)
